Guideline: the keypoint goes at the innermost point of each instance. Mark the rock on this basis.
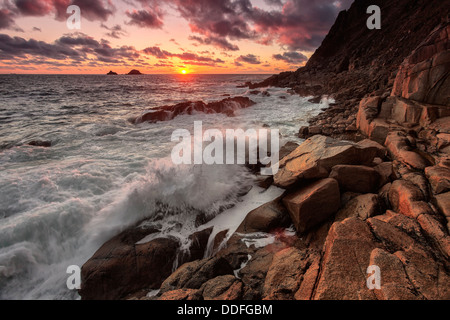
(439, 178)
(346, 257)
(134, 72)
(443, 203)
(222, 288)
(111, 73)
(314, 130)
(419, 181)
(386, 172)
(315, 158)
(424, 75)
(303, 133)
(254, 273)
(381, 152)
(398, 146)
(38, 143)
(181, 295)
(194, 274)
(313, 204)
(219, 240)
(283, 278)
(199, 242)
(368, 111)
(121, 267)
(308, 283)
(395, 284)
(437, 232)
(166, 113)
(356, 178)
(362, 207)
(266, 218)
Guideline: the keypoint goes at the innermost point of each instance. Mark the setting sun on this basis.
(183, 71)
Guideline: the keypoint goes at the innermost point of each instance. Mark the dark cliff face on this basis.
(351, 55)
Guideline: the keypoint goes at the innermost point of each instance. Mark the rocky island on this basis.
(369, 187)
(134, 73)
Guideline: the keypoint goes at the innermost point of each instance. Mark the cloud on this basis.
(6, 19)
(250, 58)
(218, 42)
(91, 9)
(67, 49)
(145, 19)
(291, 57)
(115, 32)
(187, 57)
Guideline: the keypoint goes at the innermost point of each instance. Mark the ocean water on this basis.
(58, 205)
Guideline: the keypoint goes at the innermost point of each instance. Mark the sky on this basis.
(163, 36)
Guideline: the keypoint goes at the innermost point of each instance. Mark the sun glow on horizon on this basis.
(184, 71)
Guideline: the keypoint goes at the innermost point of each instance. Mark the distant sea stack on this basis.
(134, 72)
(111, 73)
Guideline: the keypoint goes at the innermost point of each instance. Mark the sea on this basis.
(103, 173)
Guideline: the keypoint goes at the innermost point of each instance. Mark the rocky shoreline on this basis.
(369, 186)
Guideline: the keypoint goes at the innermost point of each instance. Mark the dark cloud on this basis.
(115, 32)
(291, 57)
(145, 19)
(91, 9)
(187, 57)
(218, 42)
(250, 58)
(67, 49)
(6, 19)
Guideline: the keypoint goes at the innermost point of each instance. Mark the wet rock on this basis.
(121, 266)
(199, 242)
(269, 216)
(443, 203)
(194, 274)
(356, 178)
(313, 204)
(315, 158)
(227, 106)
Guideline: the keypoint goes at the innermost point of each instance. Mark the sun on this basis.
(183, 71)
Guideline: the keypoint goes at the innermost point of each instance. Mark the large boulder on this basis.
(194, 274)
(360, 179)
(345, 260)
(313, 204)
(315, 158)
(399, 148)
(269, 216)
(284, 276)
(121, 266)
(407, 199)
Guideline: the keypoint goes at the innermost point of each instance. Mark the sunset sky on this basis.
(157, 36)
